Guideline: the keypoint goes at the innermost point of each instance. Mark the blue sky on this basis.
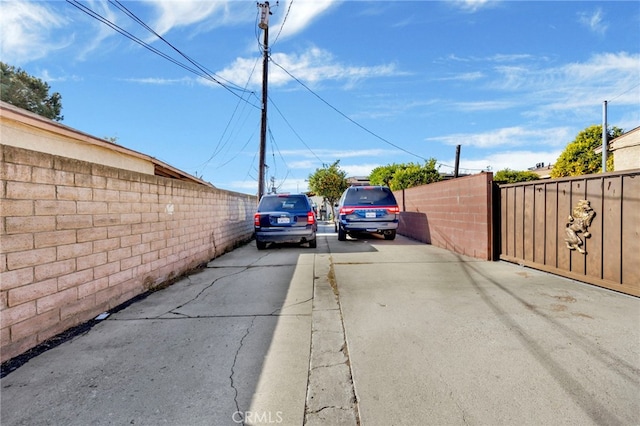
(376, 83)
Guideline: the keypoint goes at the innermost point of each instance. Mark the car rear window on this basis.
(283, 203)
(366, 196)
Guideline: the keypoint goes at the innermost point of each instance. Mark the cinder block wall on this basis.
(453, 214)
(77, 239)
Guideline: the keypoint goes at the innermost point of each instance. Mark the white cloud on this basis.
(286, 20)
(100, 31)
(514, 160)
(311, 66)
(292, 185)
(162, 81)
(240, 185)
(27, 27)
(360, 169)
(175, 14)
(295, 18)
(302, 164)
(593, 21)
(339, 154)
(501, 57)
(575, 86)
(470, 76)
(483, 105)
(603, 77)
(25, 31)
(473, 5)
(508, 136)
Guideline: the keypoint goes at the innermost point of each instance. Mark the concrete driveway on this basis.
(366, 331)
(437, 338)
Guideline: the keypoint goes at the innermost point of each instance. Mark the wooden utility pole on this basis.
(264, 24)
(457, 165)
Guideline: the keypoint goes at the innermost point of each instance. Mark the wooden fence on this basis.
(541, 219)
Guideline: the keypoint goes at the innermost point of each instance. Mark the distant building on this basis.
(626, 150)
(358, 180)
(543, 170)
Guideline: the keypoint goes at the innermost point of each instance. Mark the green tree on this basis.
(579, 156)
(24, 91)
(513, 176)
(329, 182)
(383, 175)
(406, 175)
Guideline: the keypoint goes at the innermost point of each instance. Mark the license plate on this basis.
(370, 214)
(284, 220)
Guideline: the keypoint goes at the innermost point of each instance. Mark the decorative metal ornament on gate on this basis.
(579, 222)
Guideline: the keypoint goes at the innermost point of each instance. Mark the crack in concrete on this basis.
(317, 367)
(207, 288)
(293, 304)
(329, 407)
(244, 269)
(233, 368)
(201, 292)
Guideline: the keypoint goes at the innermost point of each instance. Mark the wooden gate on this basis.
(541, 219)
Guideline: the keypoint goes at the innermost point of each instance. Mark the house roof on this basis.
(630, 138)
(69, 142)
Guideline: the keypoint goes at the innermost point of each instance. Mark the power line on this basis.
(283, 22)
(201, 73)
(354, 122)
(294, 131)
(625, 92)
(200, 70)
(220, 146)
(206, 72)
(240, 151)
(347, 117)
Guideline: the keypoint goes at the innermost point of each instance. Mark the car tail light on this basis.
(311, 218)
(393, 210)
(347, 210)
(256, 219)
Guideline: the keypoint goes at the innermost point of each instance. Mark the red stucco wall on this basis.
(453, 214)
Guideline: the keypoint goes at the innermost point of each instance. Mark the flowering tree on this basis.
(580, 157)
(329, 182)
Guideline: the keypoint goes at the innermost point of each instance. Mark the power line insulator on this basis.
(264, 15)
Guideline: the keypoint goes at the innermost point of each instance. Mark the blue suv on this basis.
(285, 218)
(371, 209)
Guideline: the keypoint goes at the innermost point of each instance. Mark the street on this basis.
(364, 331)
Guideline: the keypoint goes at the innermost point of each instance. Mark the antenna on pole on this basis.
(264, 24)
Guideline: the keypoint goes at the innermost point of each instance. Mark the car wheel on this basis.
(391, 235)
(313, 243)
(261, 245)
(342, 236)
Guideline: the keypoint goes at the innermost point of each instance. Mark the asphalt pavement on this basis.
(360, 332)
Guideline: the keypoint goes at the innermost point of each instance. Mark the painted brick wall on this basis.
(77, 239)
(453, 214)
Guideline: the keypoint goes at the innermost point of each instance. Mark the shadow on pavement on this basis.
(192, 353)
